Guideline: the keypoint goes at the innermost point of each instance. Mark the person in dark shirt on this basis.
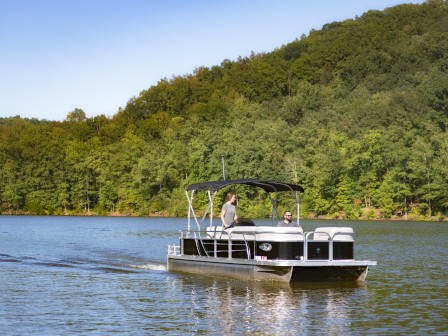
(287, 220)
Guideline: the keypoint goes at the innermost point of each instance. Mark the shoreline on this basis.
(408, 218)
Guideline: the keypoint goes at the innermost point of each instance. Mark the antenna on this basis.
(223, 167)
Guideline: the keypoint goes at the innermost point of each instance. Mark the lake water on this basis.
(107, 275)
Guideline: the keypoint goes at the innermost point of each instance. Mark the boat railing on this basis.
(202, 244)
(255, 237)
(214, 243)
(330, 235)
(173, 249)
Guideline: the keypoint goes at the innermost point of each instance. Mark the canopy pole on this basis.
(210, 200)
(190, 208)
(223, 167)
(298, 207)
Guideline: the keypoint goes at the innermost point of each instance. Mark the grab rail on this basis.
(199, 238)
(173, 249)
(248, 237)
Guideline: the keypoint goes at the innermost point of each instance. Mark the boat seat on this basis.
(244, 222)
(265, 233)
(336, 233)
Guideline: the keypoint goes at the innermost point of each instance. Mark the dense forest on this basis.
(356, 113)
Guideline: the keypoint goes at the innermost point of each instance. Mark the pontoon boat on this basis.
(272, 253)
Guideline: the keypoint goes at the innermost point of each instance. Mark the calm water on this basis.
(98, 276)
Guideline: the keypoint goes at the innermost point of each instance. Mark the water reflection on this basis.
(232, 307)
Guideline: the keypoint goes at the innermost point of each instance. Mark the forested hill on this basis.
(357, 113)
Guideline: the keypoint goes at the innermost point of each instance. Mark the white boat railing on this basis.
(173, 249)
(212, 246)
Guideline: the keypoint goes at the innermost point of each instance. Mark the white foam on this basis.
(152, 267)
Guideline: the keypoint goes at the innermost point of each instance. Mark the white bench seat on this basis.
(259, 233)
(336, 233)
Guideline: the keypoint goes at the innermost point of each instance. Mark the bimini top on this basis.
(269, 186)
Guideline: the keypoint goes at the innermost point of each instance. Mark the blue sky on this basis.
(58, 55)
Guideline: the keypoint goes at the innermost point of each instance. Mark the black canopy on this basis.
(269, 186)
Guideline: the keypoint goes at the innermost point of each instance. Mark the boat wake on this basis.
(106, 265)
(150, 267)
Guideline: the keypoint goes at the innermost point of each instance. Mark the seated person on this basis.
(287, 220)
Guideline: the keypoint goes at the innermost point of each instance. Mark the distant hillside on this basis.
(357, 113)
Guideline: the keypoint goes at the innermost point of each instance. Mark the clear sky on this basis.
(58, 55)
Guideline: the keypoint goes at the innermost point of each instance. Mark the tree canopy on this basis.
(356, 112)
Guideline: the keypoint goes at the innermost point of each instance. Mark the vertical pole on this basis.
(190, 207)
(296, 196)
(210, 200)
(223, 167)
